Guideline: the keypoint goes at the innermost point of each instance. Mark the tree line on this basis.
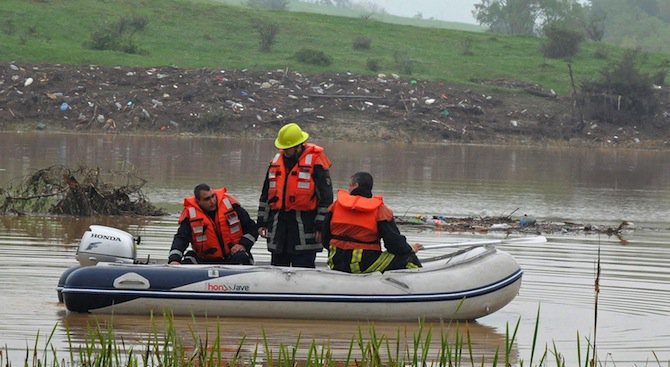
(643, 24)
(621, 93)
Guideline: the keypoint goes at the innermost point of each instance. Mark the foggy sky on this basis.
(449, 10)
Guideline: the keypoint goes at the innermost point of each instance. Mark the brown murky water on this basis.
(594, 186)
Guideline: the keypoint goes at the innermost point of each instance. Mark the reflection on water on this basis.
(65, 230)
(595, 186)
(337, 336)
(582, 184)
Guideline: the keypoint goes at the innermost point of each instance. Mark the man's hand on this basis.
(237, 248)
(174, 262)
(263, 232)
(317, 236)
(417, 247)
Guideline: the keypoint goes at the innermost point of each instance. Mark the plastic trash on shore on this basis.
(500, 226)
(527, 220)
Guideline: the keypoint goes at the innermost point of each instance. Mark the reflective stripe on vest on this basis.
(353, 223)
(207, 232)
(295, 189)
(231, 217)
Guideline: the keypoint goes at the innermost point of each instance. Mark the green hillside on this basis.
(200, 34)
(359, 11)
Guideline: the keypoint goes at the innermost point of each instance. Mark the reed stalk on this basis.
(101, 347)
(595, 309)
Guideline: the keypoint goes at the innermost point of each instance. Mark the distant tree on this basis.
(507, 16)
(343, 3)
(313, 57)
(526, 16)
(373, 64)
(562, 40)
(369, 7)
(466, 45)
(404, 63)
(664, 11)
(650, 7)
(594, 26)
(629, 24)
(269, 4)
(622, 94)
(119, 36)
(575, 18)
(267, 32)
(362, 43)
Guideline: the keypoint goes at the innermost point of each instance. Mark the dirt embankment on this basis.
(339, 106)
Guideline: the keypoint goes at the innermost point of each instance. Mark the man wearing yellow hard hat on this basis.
(295, 198)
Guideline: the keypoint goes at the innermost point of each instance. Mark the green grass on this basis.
(164, 346)
(361, 12)
(367, 348)
(202, 34)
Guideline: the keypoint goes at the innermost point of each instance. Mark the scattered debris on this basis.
(256, 103)
(79, 192)
(525, 224)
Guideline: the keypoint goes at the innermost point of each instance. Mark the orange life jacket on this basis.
(205, 232)
(295, 190)
(353, 223)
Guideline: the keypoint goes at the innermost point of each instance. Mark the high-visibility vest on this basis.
(295, 190)
(205, 239)
(353, 223)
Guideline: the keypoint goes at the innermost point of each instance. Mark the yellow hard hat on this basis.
(290, 135)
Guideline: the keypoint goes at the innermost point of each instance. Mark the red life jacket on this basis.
(205, 232)
(353, 223)
(295, 190)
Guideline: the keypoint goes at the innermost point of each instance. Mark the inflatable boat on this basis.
(463, 285)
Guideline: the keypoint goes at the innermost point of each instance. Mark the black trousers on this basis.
(238, 258)
(304, 260)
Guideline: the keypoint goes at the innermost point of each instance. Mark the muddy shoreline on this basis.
(252, 104)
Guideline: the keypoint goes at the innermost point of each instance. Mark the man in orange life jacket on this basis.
(354, 227)
(295, 198)
(219, 230)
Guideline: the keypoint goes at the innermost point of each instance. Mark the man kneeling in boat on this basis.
(219, 230)
(354, 227)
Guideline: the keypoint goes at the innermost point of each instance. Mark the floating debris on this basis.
(525, 224)
(79, 192)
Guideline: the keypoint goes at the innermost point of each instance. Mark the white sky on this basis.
(449, 10)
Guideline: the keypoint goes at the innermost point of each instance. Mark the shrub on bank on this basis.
(623, 94)
(119, 36)
(562, 41)
(313, 57)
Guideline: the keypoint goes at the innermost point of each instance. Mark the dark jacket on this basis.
(294, 231)
(183, 237)
(394, 242)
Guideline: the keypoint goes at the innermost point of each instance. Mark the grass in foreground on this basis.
(450, 346)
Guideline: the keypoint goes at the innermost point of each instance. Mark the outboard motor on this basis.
(106, 244)
(101, 244)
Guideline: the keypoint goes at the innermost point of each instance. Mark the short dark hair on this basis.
(201, 187)
(363, 179)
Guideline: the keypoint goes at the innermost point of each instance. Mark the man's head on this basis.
(290, 139)
(205, 197)
(362, 181)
